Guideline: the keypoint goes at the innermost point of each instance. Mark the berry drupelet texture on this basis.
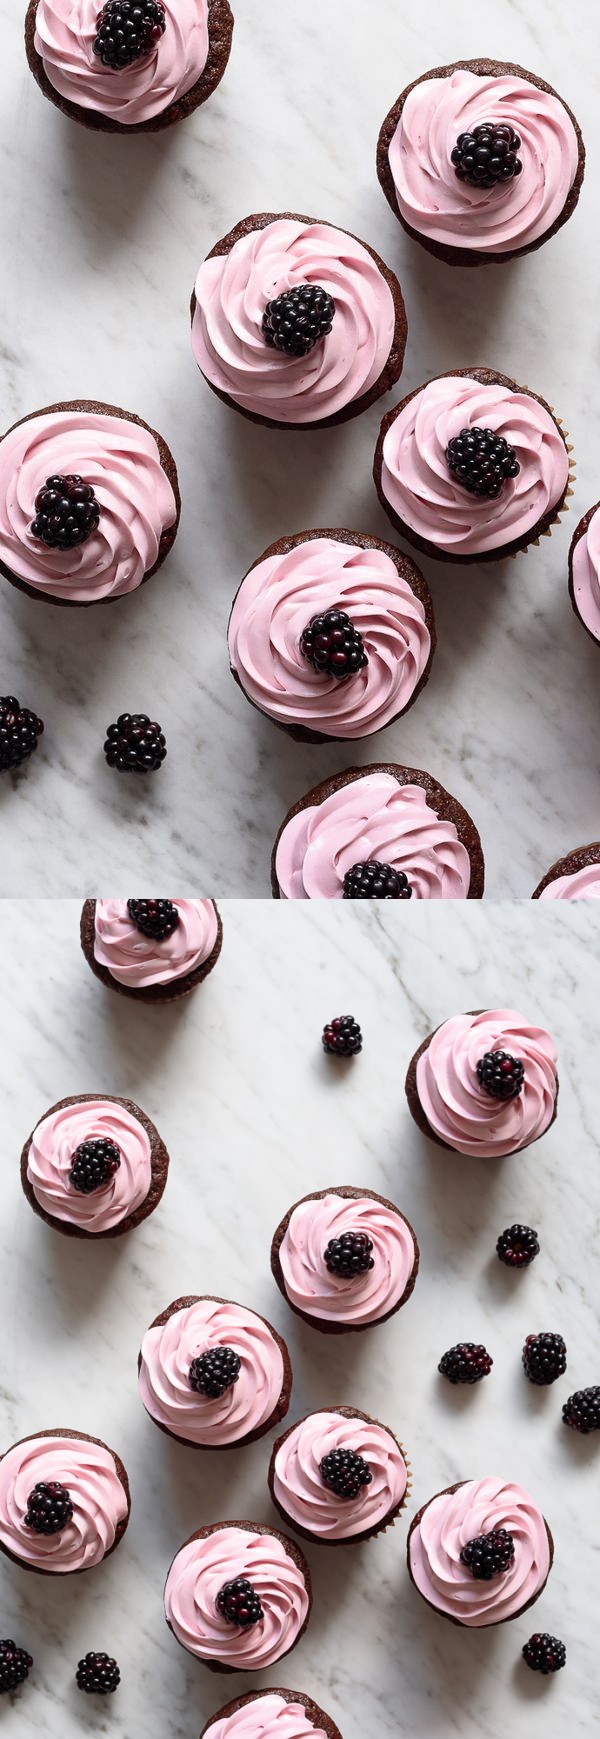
(19, 732)
(127, 29)
(544, 1358)
(517, 1246)
(376, 881)
(98, 1674)
(298, 319)
(94, 1163)
(239, 1603)
(349, 1256)
(465, 1363)
(544, 1653)
(155, 918)
(215, 1371)
(481, 461)
(500, 1075)
(342, 1037)
(582, 1410)
(49, 1508)
(489, 1554)
(66, 512)
(135, 744)
(344, 1472)
(15, 1665)
(333, 645)
(487, 156)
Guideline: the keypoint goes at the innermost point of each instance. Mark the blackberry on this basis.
(14, 1665)
(465, 1363)
(98, 1673)
(155, 918)
(127, 29)
(500, 1075)
(487, 155)
(481, 461)
(342, 1037)
(582, 1410)
(544, 1358)
(333, 645)
(94, 1163)
(544, 1653)
(517, 1246)
(135, 744)
(66, 512)
(489, 1554)
(349, 1255)
(376, 881)
(19, 732)
(239, 1603)
(49, 1508)
(214, 1372)
(345, 1472)
(298, 319)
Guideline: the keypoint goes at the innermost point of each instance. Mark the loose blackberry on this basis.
(19, 732)
(544, 1358)
(481, 461)
(376, 881)
(489, 1554)
(487, 155)
(517, 1246)
(127, 29)
(135, 744)
(349, 1255)
(500, 1075)
(98, 1673)
(66, 512)
(214, 1372)
(94, 1163)
(155, 918)
(14, 1665)
(544, 1653)
(582, 1410)
(342, 1037)
(49, 1508)
(345, 1472)
(465, 1363)
(239, 1603)
(298, 319)
(333, 645)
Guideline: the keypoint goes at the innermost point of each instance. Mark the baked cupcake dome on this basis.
(388, 602)
(584, 572)
(98, 1489)
(181, 70)
(459, 223)
(278, 1573)
(325, 1300)
(308, 1505)
(396, 815)
(447, 1101)
(134, 479)
(130, 1195)
(140, 966)
(256, 1401)
(461, 1513)
(360, 359)
(574, 877)
(271, 1714)
(425, 500)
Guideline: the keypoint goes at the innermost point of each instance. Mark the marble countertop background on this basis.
(255, 1116)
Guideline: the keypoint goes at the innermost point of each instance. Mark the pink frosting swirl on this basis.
(232, 291)
(273, 606)
(373, 817)
(51, 1154)
(100, 1508)
(65, 31)
(455, 1517)
(268, 1716)
(308, 1282)
(455, 1105)
(493, 220)
(582, 884)
(422, 491)
(136, 960)
(586, 575)
(304, 1497)
(168, 1351)
(196, 1577)
(121, 460)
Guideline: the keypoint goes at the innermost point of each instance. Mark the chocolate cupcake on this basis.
(480, 161)
(94, 1167)
(343, 1288)
(484, 1083)
(584, 572)
(238, 1596)
(338, 1477)
(271, 1714)
(295, 323)
(472, 467)
(363, 672)
(574, 877)
(511, 1567)
(152, 950)
(89, 503)
(105, 68)
(64, 1502)
(397, 816)
(213, 1374)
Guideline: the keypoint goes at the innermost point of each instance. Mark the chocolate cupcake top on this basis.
(301, 1490)
(171, 1346)
(136, 959)
(173, 57)
(96, 1498)
(267, 1716)
(450, 1522)
(373, 817)
(579, 884)
(585, 573)
(221, 1555)
(126, 1170)
(457, 1105)
(317, 1289)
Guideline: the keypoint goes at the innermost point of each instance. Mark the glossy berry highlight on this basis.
(298, 319)
(544, 1653)
(342, 1037)
(49, 1508)
(94, 1163)
(376, 881)
(466, 1362)
(349, 1255)
(517, 1246)
(582, 1410)
(489, 1555)
(239, 1604)
(215, 1371)
(344, 1472)
(155, 918)
(19, 732)
(501, 1075)
(15, 1665)
(333, 645)
(487, 155)
(98, 1674)
(544, 1358)
(135, 744)
(126, 30)
(482, 461)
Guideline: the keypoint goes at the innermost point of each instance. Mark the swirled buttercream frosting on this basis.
(455, 1517)
(269, 1716)
(585, 562)
(136, 960)
(52, 1151)
(301, 1491)
(232, 291)
(274, 605)
(65, 31)
(168, 1350)
(196, 1577)
(372, 817)
(100, 1508)
(581, 884)
(314, 1290)
(459, 1110)
(419, 487)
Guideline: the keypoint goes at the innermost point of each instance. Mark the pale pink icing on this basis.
(493, 220)
(65, 31)
(51, 1154)
(232, 291)
(99, 1502)
(308, 1282)
(373, 817)
(455, 1105)
(306, 1499)
(454, 1518)
(422, 491)
(586, 575)
(268, 1716)
(582, 884)
(137, 504)
(274, 605)
(168, 1351)
(196, 1577)
(137, 960)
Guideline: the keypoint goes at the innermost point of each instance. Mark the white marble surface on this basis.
(102, 240)
(255, 1116)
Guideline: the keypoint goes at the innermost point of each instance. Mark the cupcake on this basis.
(238, 1596)
(64, 1502)
(574, 877)
(484, 1083)
(271, 1714)
(214, 1374)
(338, 1477)
(89, 503)
(152, 950)
(517, 1563)
(285, 649)
(94, 1166)
(296, 323)
(472, 467)
(170, 61)
(324, 1233)
(584, 571)
(381, 814)
(480, 161)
